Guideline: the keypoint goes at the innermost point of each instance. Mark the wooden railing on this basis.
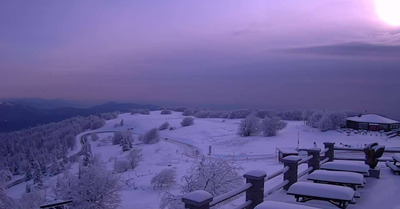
(254, 187)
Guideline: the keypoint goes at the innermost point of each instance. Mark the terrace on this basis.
(379, 188)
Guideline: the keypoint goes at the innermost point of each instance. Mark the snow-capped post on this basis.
(197, 200)
(292, 162)
(330, 154)
(256, 192)
(315, 152)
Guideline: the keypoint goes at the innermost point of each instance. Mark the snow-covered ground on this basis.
(179, 147)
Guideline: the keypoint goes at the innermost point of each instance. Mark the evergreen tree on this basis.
(28, 188)
(94, 188)
(126, 144)
(87, 156)
(29, 173)
(37, 175)
(55, 167)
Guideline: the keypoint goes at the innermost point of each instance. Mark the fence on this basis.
(254, 187)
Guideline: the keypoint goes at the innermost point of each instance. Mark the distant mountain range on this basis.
(21, 114)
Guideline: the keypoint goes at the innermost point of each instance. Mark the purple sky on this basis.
(273, 54)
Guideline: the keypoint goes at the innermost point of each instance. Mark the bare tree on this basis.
(215, 176)
(151, 137)
(165, 178)
(134, 157)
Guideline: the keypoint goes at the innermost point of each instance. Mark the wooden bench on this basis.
(394, 166)
(281, 205)
(339, 196)
(346, 166)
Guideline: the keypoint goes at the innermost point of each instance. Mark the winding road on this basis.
(190, 151)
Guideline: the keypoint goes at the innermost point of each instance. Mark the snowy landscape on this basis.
(179, 104)
(180, 147)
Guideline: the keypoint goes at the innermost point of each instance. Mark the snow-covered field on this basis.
(180, 147)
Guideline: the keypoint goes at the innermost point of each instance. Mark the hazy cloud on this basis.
(351, 50)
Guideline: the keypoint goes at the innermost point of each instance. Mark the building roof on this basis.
(372, 118)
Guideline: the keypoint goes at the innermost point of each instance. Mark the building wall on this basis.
(352, 124)
(366, 126)
(394, 126)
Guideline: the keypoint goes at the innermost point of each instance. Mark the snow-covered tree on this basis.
(171, 201)
(126, 143)
(94, 137)
(37, 174)
(240, 114)
(98, 123)
(325, 123)
(166, 112)
(88, 157)
(187, 121)
(218, 114)
(271, 126)
(29, 174)
(140, 111)
(95, 188)
(215, 176)
(249, 126)
(41, 144)
(326, 120)
(202, 114)
(306, 115)
(121, 166)
(134, 157)
(5, 175)
(121, 136)
(314, 118)
(5, 201)
(165, 178)
(28, 188)
(164, 126)
(33, 199)
(290, 115)
(338, 119)
(54, 168)
(151, 137)
(188, 112)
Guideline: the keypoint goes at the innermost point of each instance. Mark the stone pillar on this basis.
(293, 163)
(256, 192)
(315, 160)
(330, 154)
(197, 200)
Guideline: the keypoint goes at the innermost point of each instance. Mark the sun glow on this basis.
(388, 11)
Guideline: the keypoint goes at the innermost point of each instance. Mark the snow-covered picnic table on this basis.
(281, 205)
(394, 166)
(346, 166)
(396, 158)
(338, 195)
(350, 179)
